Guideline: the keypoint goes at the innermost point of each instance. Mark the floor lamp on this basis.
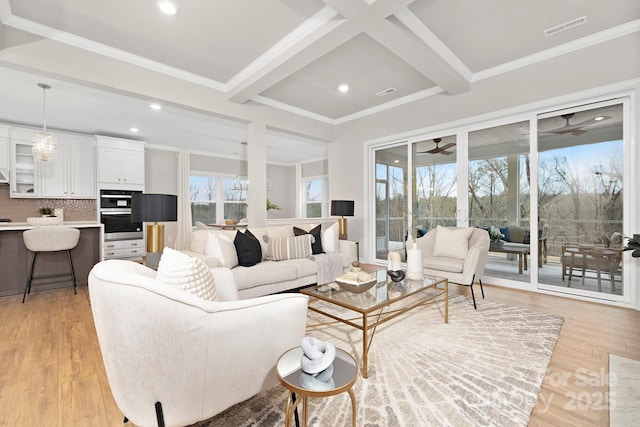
(342, 208)
(154, 208)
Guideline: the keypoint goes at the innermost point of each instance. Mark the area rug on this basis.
(624, 391)
(483, 368)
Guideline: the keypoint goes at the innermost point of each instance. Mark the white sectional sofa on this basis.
(215, 248)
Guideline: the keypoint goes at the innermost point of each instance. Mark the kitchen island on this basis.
(15, 258)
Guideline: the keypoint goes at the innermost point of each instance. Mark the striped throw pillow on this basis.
(452, 242)
(283, 248)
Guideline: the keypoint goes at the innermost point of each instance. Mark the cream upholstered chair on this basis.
(173, 358)
(50, 238)
(460, 266)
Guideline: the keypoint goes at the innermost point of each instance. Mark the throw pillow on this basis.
(316, 246)
(283, 248)
(452, 243)
(330, 238)
(220, 245)
(248, 249)
(187, 273)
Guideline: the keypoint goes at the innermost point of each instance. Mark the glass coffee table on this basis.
(383, 302)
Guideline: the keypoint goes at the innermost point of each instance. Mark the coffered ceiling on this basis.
(291, 55)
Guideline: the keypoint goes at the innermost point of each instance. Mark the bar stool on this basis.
(50, 238)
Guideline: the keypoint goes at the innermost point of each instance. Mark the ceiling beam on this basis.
(326, 31)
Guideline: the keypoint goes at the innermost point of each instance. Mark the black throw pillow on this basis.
(248, 249)
(316, 247)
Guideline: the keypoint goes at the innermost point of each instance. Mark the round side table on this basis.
(345, 373)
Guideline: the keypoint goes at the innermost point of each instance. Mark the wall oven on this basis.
(115, 214)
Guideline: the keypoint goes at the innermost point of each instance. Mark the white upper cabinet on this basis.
(4, 153)
(24, 167)
(71, 173)
(120, 163)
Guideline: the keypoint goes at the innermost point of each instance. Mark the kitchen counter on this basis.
(15, 258)
(4, 226)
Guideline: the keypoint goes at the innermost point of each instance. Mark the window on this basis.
(215, 198)
(202, 190)
(235, 200)
(314, 197)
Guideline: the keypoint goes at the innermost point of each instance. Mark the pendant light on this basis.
(241, 181)
(44, 144)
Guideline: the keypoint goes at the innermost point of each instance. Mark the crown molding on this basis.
(104, 50)
(295, 110)
(591, 40)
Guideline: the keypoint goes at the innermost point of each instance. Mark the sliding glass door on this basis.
(580, 199)
(499, 196)
(550, 187)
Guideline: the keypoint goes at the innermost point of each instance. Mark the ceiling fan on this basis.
(575, 129)
(440, 150)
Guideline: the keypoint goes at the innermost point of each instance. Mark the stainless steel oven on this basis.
(115, 214)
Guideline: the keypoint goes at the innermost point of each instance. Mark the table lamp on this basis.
(342, 208)
(154, 208)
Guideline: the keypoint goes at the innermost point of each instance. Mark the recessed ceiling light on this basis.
(134, 130)
(156, 107)
(597, 119)
(168, 7)
(343, 88)
(396, 161)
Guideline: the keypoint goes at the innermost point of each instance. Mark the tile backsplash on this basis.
(17, 210)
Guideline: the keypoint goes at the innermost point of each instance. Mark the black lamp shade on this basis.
(342, 208)
(154, 207)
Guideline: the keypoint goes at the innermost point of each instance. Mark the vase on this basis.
(497, 244)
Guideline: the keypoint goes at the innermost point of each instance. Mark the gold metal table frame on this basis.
(370, 305)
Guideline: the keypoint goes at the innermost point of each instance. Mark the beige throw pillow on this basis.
(283, 248)
(452, 243)
(188, 273)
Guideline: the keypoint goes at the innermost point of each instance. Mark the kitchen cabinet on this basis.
(124, 249)
(71, 173)
(4, 154)
(120, 163)
(23, 183)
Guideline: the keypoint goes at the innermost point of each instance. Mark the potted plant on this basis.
(45, 211)
(272, 206)
(495, 235)
(633, 244)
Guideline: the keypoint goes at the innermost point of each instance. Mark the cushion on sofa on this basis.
(284, 248)
(453, 265)
(220, 245)
(452, 243)
(330, 238)
(316, 246)
(199, 240)
(188, 273)
(263, 237)
(265, 273)
(248, 248)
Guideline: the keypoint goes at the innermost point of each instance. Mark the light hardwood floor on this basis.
(51, 371)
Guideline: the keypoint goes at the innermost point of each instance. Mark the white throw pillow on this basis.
(452, 243)
(220, 245)
(330, 238)
(188, 273)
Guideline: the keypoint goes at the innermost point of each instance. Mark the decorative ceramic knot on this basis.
(316, 355)
(321, 381)
(396, 275)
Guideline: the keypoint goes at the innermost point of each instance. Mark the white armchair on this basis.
(172, 356)
(464, 270)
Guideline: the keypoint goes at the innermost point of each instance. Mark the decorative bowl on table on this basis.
(356, 281)
(230, 221)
